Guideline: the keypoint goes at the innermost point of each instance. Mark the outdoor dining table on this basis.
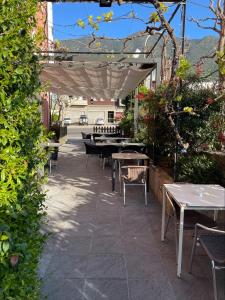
(124, 156)
(190, 196)
(105, 138)
(120, 145)
(52, 144)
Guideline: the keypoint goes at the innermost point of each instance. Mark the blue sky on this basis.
(65, 16)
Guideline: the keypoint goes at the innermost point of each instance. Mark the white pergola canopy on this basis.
(93, 80)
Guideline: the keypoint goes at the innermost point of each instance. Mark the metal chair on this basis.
(134, 175)
(86, 136)
(92, 149)
(123, 163)
(214, 245)
(190, 218)
(134, 148)
(52, 157)
(96, 135)
(107, 153)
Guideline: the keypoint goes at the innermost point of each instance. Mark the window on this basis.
(110, 116)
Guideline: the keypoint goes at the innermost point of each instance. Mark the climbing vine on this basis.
(21, 154)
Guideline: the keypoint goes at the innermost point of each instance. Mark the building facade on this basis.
(109, 110)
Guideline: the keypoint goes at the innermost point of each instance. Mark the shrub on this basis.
(21, 154)
(199, 168)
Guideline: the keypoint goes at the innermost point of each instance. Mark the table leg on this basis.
(146, 163)
(180, 241)
(163, 216)
(113, 174)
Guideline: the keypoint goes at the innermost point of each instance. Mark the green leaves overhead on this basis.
(183, 68)
(94, 22)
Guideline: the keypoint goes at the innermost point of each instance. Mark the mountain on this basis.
(195, 48)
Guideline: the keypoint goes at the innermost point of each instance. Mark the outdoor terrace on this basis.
(98, 249)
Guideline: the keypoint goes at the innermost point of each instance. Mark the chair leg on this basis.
(87, 160)
(103, 166)
(146, 200)
(124, 192)
(214, 280)
(120, 183)
(193, 252)
(119, 171)
(50, 166)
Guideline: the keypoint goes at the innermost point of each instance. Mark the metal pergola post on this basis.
(183, 20)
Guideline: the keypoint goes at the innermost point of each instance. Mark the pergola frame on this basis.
(180, 4)
(71, 55)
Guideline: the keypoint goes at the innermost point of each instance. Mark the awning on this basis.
(93, 80)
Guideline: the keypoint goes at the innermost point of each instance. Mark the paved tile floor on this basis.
(97, 249)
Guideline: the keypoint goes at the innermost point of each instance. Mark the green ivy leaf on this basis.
(4, 237)
(3, 175)
(5, 246)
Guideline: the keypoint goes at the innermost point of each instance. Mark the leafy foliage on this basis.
(21, 154)
(94, 22)
(199, 168)
(194, 110)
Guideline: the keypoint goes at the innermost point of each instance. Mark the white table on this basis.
(105, 138)
(52, 144)
(120, 145)
(191, 197)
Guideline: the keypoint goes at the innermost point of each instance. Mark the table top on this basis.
(120, 144)
(103, 133)
(51, 144)
(205, 196)
(103, 138)
(128, 156)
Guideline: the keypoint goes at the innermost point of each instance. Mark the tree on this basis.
(216, 24)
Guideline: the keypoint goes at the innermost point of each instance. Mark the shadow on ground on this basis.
(98, 249)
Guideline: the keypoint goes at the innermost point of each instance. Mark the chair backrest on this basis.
(92, 149)
(134, 148)
(107, 150)
(97, 135)
(86, 136)
(135, 173)
(129, 151)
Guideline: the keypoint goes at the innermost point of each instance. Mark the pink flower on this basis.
(14, 260)
(221, 137)
(210, 101)
(140, 96)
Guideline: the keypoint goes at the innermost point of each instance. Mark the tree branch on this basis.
(198, 23)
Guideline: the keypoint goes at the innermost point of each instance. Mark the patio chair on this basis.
(92, 149)
(134, 175)
(52, 158)
(213, 242)
(191, 217)
(97, 135)
(134, 148)
(107, 153)
(86, 136)
(124, 162)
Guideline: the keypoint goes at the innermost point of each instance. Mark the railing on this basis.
(107, 129)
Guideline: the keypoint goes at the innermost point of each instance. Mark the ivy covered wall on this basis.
(21, 154)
